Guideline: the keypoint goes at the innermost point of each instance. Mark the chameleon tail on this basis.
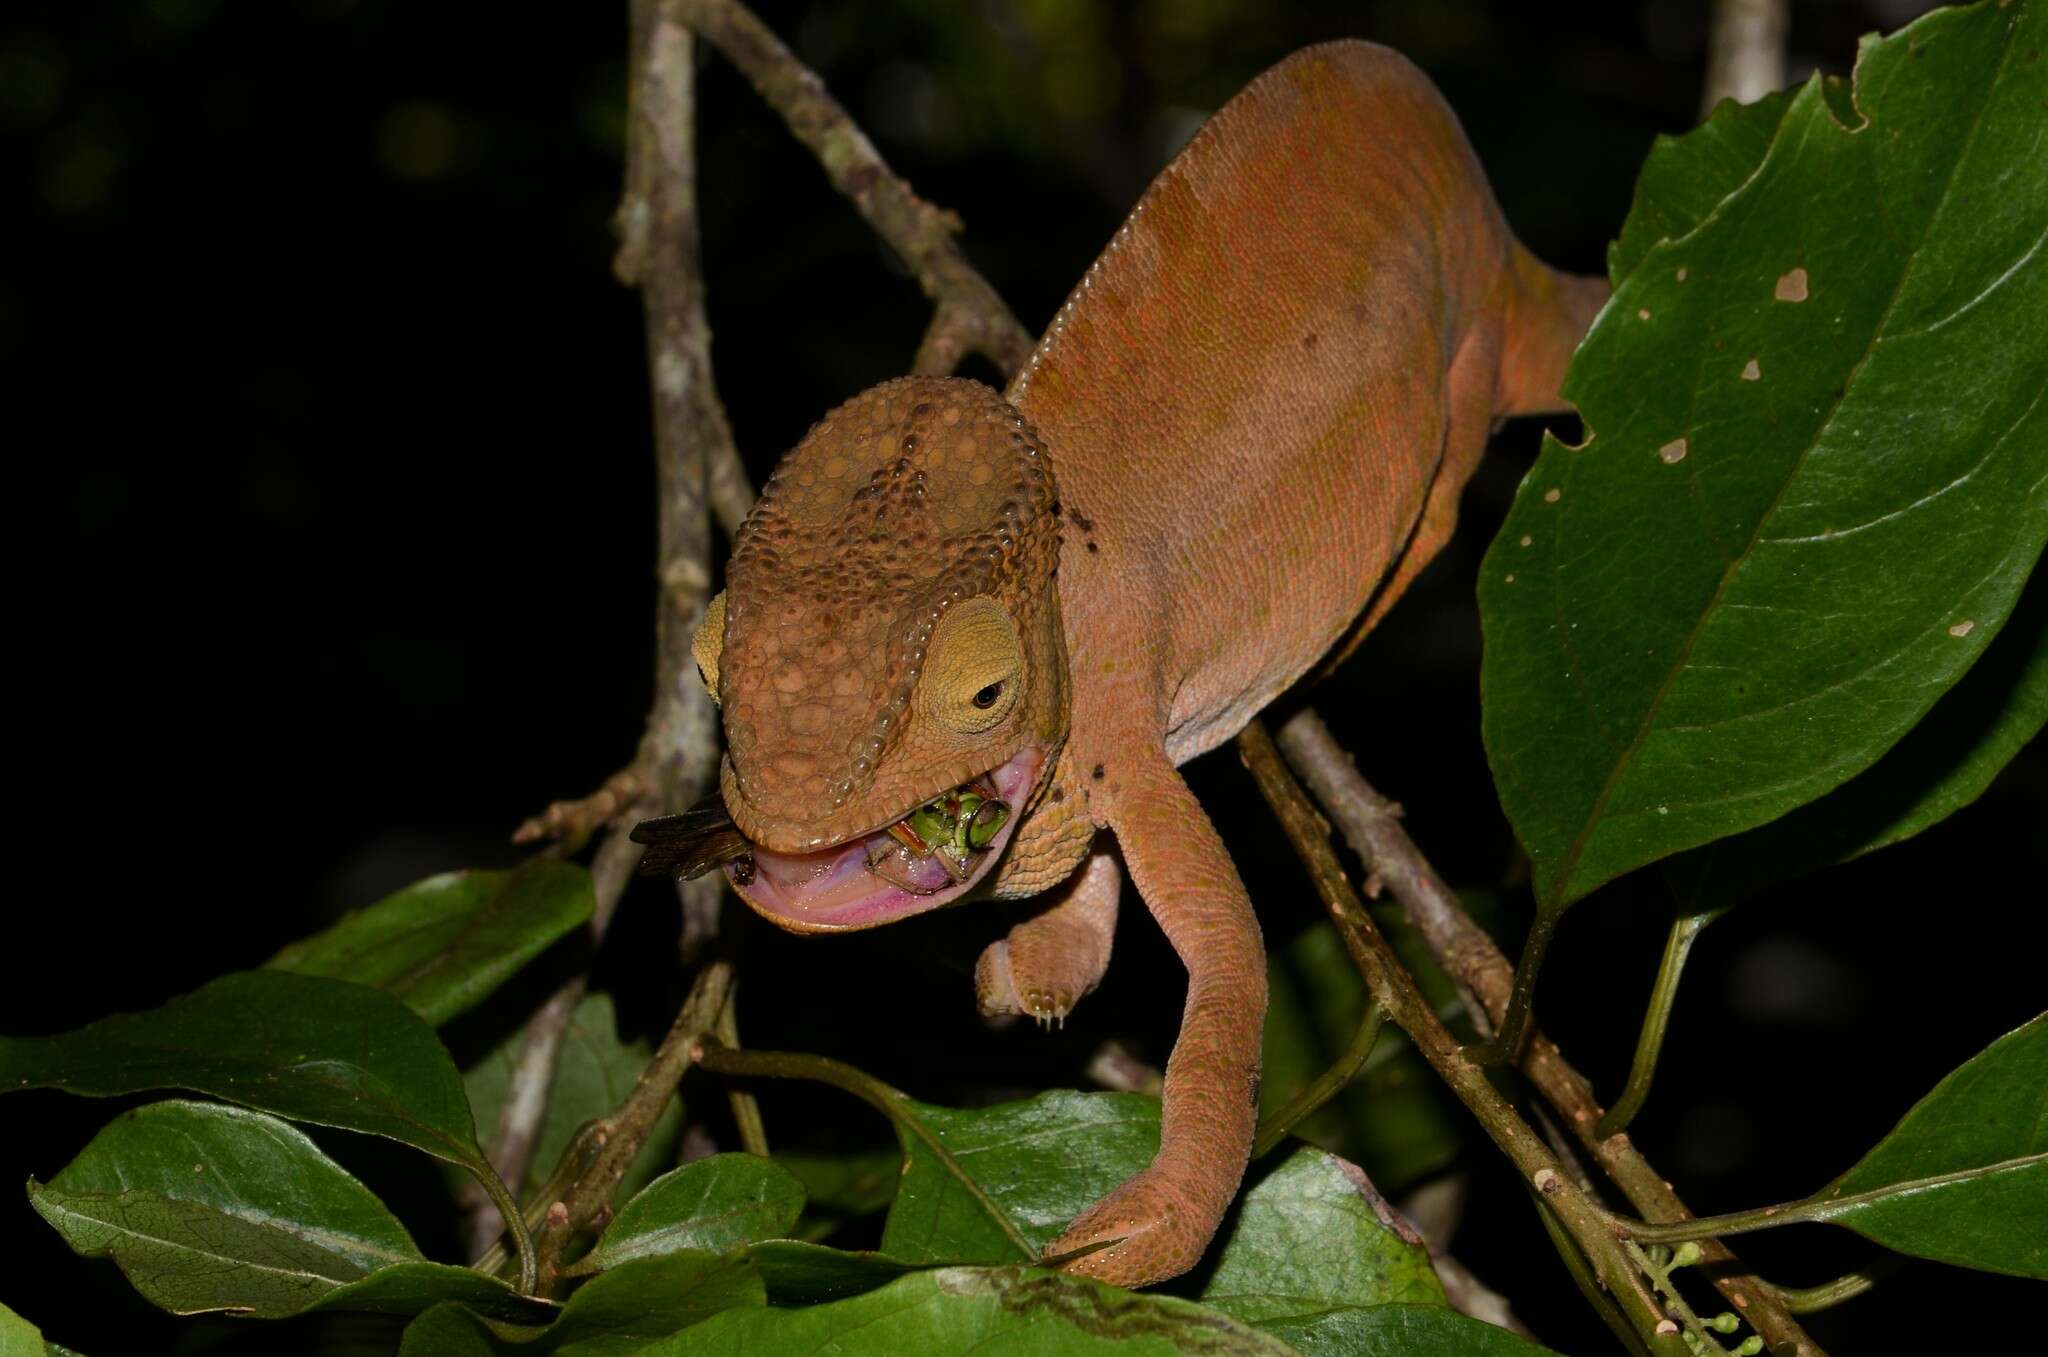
(1548, 314)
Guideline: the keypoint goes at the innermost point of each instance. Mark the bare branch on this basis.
(584, 1202)
(1745, 52)
(1485, 977)
(540, 1050)
(1388, 982)
(571, 822)
(970, 317)
(678, 754)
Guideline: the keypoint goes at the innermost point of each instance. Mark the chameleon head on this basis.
(889, 657)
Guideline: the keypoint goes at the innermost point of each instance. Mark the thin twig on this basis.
(969, 316)
(678, 754)
(1394, 990)
(1116, 1068)
(1745, 52)
(1325, 1086)
(540, 1050)
(582, 1207)
(1485, 977)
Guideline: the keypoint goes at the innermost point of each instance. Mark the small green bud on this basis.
(1688, 1254)
(1725, 1322)
(1751, 1346)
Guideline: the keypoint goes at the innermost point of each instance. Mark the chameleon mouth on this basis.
(930, 856)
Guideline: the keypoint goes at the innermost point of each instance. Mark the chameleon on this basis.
(967, 638)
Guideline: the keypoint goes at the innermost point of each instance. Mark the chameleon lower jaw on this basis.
(832, 891)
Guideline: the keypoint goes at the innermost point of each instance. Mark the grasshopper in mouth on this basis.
(954, 828)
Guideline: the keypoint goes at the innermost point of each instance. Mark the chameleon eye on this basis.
(973, 666)
(709, 644)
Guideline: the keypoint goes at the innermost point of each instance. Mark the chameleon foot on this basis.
(1050, 962)
(1144, 1232)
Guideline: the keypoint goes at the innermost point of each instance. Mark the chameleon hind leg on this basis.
(1051, 960)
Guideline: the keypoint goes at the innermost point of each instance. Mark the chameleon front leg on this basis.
(1051, 960)
(1156, 1225)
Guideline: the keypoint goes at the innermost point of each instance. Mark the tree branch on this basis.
(969, 317)
(1394, 989)
(1485, 977)
(678, 753)
(1745, 52)
(584, 1206)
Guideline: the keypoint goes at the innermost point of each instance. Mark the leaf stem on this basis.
(890, 1102)
(746, 1108)
(1323, 1087)
(1685, 930)
(1513, 1032)
(1820, 1207)
(522, 1238)
(1806, 1300)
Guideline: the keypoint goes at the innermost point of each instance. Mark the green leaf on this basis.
(801, 1273)
(612, 1315)
(205, 1208)
(441, 945)
(1685, 178)
(714, 1205)
(979, 1179)
(19, 1338)
(233, 1166)
(1752, 581)
(1306, 1240)
(303, 1047)
(856, 1183)
(989, 1312)
(1399, 1331)
(1941, 766)
(1967, 1168)
(596, 1072)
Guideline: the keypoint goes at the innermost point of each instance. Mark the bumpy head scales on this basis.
(911, 536)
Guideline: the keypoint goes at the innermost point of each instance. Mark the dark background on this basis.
(330, 451)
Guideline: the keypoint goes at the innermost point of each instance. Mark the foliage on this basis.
(1773, 613)
(1811, 487)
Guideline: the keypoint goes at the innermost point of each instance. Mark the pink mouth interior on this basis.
(833, 888)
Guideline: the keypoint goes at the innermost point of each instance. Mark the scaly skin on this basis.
(1242, 437)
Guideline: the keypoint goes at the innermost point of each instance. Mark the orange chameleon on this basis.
(967, 638)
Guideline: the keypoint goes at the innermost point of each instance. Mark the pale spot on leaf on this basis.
(1642, 313)
(1792, 287)
(1552, 496)
(1750, 371)
(1672, 452)
(1681, 273)
(1526, 539)
(1510, 580)
(1963, 628)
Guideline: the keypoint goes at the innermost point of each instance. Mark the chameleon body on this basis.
(1240, 439)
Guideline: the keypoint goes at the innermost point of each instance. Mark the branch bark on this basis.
(1745, 52)
(678, 753)
(1485, 977)
(1394, 990)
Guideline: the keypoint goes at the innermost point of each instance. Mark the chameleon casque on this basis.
(967, 638)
